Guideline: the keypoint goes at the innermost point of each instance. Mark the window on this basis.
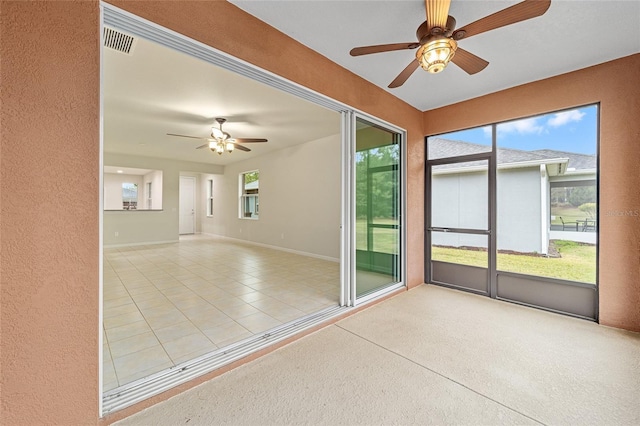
(249, 201)
(129, 196)
(149, 196)
(210, 197)
(132, 189)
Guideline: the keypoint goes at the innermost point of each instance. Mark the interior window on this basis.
(249, 183)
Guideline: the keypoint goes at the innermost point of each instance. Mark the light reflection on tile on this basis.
(169, 303)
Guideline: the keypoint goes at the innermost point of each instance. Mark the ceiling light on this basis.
(212, 144)
(229, 146)
(434, 55)
(120, 171)
(220, 148)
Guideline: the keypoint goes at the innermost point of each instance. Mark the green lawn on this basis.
(578, 262)
(385, 240)
(568, 213)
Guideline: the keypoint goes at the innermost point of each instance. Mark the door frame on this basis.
(401, 134)
(490, 158)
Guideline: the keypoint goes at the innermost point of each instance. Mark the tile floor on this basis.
(169, 303)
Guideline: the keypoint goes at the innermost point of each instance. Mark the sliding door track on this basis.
(157, 383)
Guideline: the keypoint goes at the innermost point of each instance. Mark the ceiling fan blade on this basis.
(518, 12)
(241, 148)
(185, 136)
(250, 140)
(206, 145)
(404, 75)
(437, 13)
(469, 62)
(367, 50)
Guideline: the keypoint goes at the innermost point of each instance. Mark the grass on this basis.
(568, 213)
(385, 240)
(577, 261)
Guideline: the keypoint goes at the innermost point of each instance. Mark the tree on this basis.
(581, 195)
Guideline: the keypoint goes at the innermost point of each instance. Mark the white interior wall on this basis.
(299, 199)
(155, 177)
(150, 226)
(113, 189)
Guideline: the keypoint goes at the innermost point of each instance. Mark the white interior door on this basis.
(187, 216)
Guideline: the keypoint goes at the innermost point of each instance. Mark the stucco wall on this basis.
(49, 170)
(615, 86)
(49, 268)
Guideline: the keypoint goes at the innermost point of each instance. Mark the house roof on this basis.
(576, 161)
(444, 148)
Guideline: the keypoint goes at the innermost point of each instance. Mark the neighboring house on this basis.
(524, 186)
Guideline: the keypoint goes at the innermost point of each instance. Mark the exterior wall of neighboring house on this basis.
(465, 194)
(519, 218)
(459, 200)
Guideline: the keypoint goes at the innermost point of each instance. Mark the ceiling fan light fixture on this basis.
(229, 146)
(220, 148)
(434, 55)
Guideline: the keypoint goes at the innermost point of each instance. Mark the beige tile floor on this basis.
(169, 303)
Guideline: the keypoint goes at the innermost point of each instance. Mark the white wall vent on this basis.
(117, 40)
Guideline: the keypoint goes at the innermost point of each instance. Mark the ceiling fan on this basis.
(438, 39)
(221, 141)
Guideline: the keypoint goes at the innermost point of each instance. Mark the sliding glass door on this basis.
(377, 207)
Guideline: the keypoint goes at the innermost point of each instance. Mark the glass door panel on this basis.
(377, 206)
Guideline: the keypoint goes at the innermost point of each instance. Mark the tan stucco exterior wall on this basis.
(615, 85)
(49, 221)
(49, 195)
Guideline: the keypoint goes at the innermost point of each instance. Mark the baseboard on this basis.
(288, 250)
(147, 243)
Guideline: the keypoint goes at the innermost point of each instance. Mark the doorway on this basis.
(187, 216)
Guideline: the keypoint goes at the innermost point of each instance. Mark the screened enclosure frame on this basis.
(579, 299)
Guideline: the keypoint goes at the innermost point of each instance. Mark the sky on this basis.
(572, 130)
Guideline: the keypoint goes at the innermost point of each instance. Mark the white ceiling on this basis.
(573, 34)
(157, 90)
